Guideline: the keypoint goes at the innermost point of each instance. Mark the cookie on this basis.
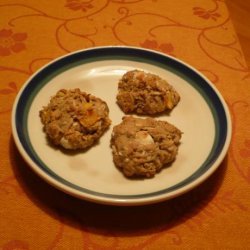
(75, 119)
(145, 94)
(141, 147)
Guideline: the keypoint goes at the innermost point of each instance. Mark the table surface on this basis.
(215, 215)
(240, 15)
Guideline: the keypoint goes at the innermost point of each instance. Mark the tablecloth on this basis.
(34, 215)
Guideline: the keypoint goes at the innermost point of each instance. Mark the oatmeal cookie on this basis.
(145, 93)
(75, 119)
(141, 147)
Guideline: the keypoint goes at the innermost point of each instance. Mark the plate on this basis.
(202, 115)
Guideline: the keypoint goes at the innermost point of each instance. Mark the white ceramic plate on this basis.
(201, 114)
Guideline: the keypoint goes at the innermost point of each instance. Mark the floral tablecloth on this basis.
(34, 215)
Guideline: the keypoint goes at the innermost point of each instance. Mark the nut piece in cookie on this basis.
(75, 119)
(145, 93)
(141, 147)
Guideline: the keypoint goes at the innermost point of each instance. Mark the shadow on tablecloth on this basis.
(112, 220)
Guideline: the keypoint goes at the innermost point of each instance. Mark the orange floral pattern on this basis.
(203, 36)
(16, 245)
(79, 5)
(11, 42)
(206, 14)
(245, 153)
(7, 93)
(167, 48)
(12, 88)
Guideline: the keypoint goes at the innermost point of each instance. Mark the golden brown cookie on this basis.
(75, 119)
(141, 147)
(145, 93)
